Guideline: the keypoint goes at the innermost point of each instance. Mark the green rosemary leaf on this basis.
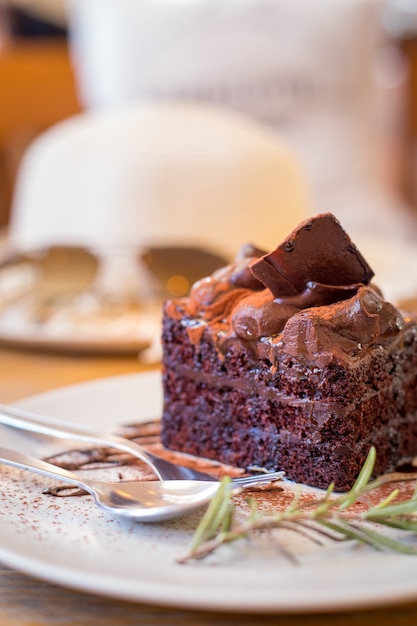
(350, 532)
(223, 511)
(361, 481)
(401, 508)
(401, 524)
(227, 521)
(253, 509)
(384, 503)
(209, 523)
(387, 542)
(323, 507)
(329, 491)
(313, 529)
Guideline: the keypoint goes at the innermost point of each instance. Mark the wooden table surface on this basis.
(25, 601)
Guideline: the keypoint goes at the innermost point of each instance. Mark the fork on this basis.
(164, 469)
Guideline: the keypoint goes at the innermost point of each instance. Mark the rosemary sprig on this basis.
(332, 516)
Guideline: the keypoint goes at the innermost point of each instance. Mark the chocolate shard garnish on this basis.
(318, 250)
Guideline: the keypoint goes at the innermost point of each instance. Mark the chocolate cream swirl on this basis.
(311, 296)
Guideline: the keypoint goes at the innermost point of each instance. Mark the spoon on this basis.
(143, 501)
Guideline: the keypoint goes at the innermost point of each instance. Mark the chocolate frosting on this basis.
(309, 298)
(259, 315)
(322, 333)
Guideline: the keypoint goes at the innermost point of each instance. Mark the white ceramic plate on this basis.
(32, 316)
(129, 333)
(71, 542)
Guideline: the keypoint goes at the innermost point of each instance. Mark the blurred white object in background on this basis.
(302, 67)
(277, 61)
(157, 174)
(400, 18)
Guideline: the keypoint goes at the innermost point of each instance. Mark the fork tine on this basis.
(259, 479)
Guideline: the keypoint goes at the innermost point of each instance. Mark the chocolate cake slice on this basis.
(292, 360)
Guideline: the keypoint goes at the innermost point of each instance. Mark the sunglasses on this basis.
(59, 273)
(176, 269)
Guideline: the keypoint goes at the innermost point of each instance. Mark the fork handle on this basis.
(26, 462)
(40, 424)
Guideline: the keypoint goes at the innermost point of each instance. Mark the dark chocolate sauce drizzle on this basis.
(146, 434)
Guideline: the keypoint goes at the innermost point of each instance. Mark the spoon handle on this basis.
(26, 462)
(43, 425)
